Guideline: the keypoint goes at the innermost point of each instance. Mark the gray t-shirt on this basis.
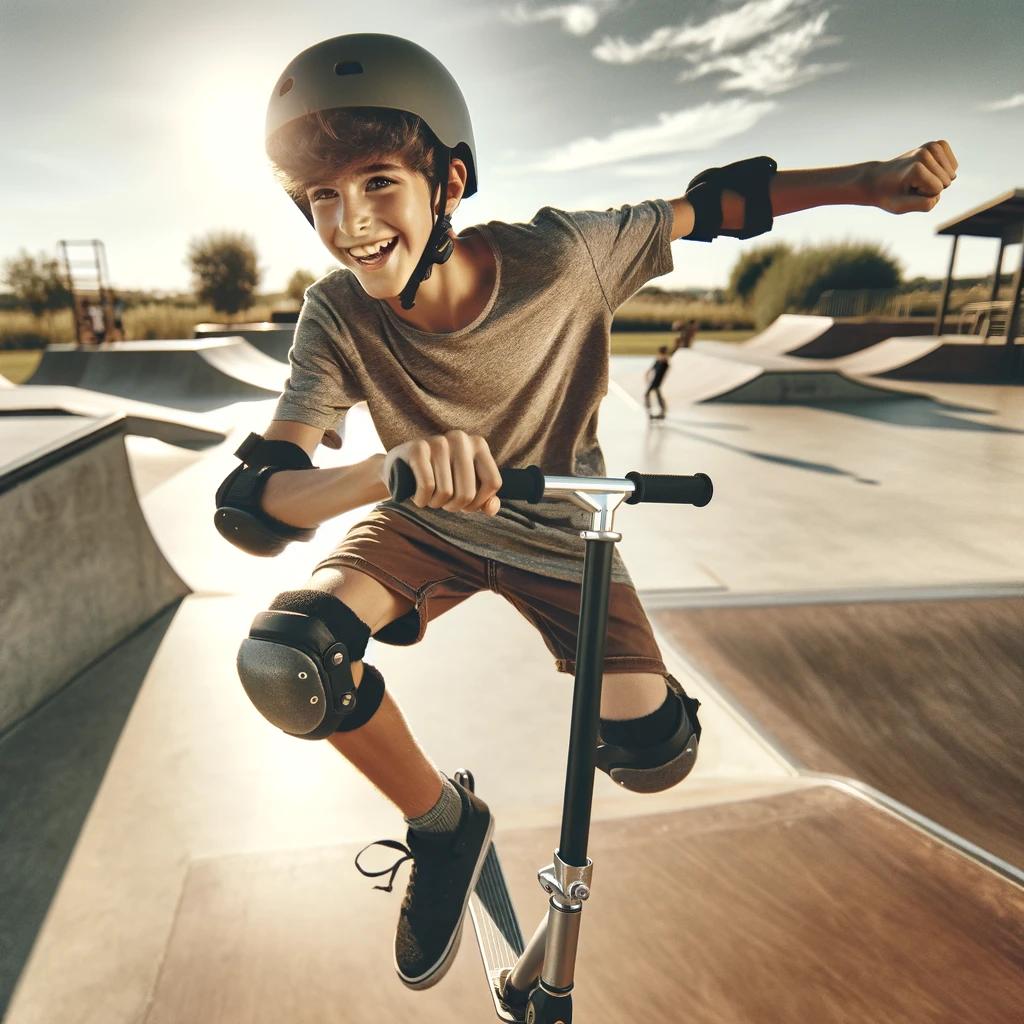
(528, 374)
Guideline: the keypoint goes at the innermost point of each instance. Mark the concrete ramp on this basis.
(272, 339)
(822, 337)
(920, 699)
(175, 426)
(788, 333)
(187, 374)
(807, 905)
(748, 376)
(80, 568)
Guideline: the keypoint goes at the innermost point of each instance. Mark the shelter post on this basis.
(944, 301)
(1013, 316)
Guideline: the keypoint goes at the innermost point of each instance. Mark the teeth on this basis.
(370, 250)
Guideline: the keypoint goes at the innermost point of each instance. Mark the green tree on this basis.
(794, 283)
(747, 270)
(298, 283)
(224, 270)
(37, 283)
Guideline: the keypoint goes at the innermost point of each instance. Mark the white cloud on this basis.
(716, 35)
(773, 66)
(1016, 100)
(697, 128)
(579, 19)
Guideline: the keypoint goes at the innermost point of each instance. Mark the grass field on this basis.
(18, 366)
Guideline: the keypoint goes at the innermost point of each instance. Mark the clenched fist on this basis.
(912, 181)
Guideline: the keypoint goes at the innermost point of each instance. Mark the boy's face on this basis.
(367, 204)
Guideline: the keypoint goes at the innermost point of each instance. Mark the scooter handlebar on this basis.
(529, 484)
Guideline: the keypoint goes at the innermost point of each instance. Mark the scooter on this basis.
(533, 981)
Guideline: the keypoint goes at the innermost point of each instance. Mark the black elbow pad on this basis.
(240, 517)
(748, 178)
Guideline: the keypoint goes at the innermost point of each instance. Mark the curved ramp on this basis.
(789, 332)
(920, 699)
(271, 339)
(747, 376)
(79, 565)
(178, 427)
(822, 337)
(187, 374)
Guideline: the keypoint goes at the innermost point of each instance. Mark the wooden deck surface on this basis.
(924, 700)
(810, 906)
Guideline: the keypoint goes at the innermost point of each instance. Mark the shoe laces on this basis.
(394, 845)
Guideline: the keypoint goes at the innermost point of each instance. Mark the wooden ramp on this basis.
(921, 699)
(812, 905)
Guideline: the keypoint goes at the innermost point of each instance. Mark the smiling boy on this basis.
(472, 351)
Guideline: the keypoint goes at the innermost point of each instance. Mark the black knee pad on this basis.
(662, 765)
(296, 665)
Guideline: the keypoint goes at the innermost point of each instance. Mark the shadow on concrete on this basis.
(779, 460)
(932, 415)
(51, 765)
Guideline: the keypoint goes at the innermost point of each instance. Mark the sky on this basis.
(142, 123)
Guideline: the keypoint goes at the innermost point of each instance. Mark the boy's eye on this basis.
(329, 193)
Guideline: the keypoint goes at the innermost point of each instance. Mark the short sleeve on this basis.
(629, 246)
(321, 387)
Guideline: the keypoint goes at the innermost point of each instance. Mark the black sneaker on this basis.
(445, 870)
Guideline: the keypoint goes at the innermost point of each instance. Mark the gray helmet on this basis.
(374, 70)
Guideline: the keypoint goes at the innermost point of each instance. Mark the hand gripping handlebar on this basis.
(531, 485)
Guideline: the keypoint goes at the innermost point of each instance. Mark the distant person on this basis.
(118, 319)
(655, 375)
(98, 322)
(685, 333)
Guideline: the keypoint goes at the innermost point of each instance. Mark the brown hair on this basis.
(323, 144)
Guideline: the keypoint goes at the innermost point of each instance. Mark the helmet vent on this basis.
(286, 86)
(348, 67)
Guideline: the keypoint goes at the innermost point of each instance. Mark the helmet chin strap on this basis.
(439, 247)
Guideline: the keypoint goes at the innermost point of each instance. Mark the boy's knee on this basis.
(296, 666)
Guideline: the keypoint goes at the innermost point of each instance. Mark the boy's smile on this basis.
(388, 203)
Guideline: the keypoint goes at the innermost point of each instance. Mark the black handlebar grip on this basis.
(674, 490)
(401, 480)
(522, 484)
(516, 484)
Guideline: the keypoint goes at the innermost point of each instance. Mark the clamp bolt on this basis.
(579, 891)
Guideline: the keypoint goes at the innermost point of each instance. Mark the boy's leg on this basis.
(383, 749)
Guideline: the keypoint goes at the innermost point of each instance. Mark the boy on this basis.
(461, 345)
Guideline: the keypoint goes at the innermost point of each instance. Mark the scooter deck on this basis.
(497, 929)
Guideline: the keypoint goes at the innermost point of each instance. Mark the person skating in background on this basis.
(655, 375)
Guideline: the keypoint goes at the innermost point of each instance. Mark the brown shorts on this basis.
(436, 576)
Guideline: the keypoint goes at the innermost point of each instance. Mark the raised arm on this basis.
(913, 181)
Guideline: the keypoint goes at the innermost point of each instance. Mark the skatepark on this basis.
(848, 609)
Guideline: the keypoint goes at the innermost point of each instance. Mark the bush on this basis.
(749, 268)
(224, 269)
(793, 283)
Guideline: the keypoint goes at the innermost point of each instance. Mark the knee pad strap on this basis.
(367, 698)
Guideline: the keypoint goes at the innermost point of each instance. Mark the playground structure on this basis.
(96, 309)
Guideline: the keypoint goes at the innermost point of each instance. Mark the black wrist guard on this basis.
(750, 179)
(240, 517)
